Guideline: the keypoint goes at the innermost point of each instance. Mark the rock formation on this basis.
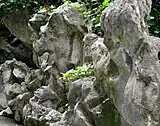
(130, 74)
(124, 89)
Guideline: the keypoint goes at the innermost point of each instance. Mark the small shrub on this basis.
(91, 10)
(77, 73)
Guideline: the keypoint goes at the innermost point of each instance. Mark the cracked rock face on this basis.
(124, 90)
(60, 41)
(133, 56)
(20, 28)
(58, 46)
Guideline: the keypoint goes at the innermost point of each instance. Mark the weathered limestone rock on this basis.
(128, 64)
(8, 122)
(38, 114)
(12, 74)
(17, 23)
(34, 80)
(125, 21)
(58, 46)
(80, 103)
(17, 82)
(60, 41)
(39, 19)
(19, 51)
(89, 40)
(7, 112)
(86, 106)
(17, 105)
(8, 77)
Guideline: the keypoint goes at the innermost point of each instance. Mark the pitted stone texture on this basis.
(125, 21)
(60, 41)
(89, 40)
(17, 23)
(85, 105)
(41, 109)
(133, 80)
(17, 104)
(17, 82)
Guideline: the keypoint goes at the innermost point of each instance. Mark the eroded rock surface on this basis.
(17, 23)
(58, 46)
(128, 64)
(60, 41)
(15, 49)
(124, 90)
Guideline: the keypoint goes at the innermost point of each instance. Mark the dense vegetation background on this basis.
(154, 20)
(90, 9)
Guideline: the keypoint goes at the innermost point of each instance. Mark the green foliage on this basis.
(103, 5)
(77, 73)
(154, 19)
(91, 11)
(9, 6)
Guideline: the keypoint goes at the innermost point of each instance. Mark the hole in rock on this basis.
(159, 55)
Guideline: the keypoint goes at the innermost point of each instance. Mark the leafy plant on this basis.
(91, 11)
(77, 73)
(14, 6)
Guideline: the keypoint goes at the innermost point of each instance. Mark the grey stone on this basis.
(82, 102)
(88, 40)
(125, 89)
(39, 114)
(17, 23)
(7, 122)
(3, 101)
(57, 43)
(34, 80)
(13, 90)
(18, 103)
(133, 91)
(10, 81)
(60, 41)
(42, 107)
(6, 112)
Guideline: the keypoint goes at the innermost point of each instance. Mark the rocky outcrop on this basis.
(18, 84)
(11, 47)
(124, 89)
(89, 40)
(38, 96)
(60, 39)
(57, 47)
(12, 75)
(17, 23)
(8, 122)
(128, 64)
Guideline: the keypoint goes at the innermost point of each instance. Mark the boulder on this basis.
(39, 114)
(86, 107)
(59, 42)
(17, 104)
(15, 87)
(15, 49)
(17, 23)
(58, 46)
(127, 64)
(8, 122)
(89, 40)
